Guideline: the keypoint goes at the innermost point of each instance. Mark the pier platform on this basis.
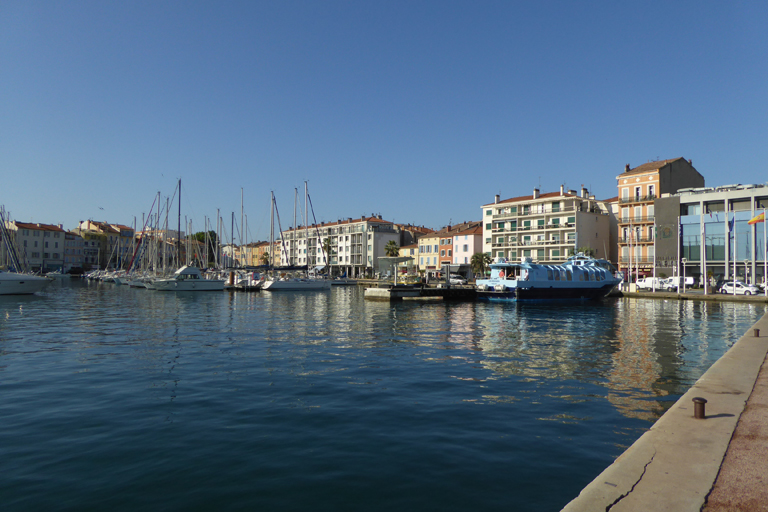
(684, 463)
(428, 293)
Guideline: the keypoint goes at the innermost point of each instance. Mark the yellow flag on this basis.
(759, 218)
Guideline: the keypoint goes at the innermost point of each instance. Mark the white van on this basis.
(649, 284)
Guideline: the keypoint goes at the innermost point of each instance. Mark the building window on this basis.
(442, 253)
(487, 240)
(466, 248)
(488, 212)
(488, 226)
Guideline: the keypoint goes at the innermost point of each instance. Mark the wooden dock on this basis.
(420, 292)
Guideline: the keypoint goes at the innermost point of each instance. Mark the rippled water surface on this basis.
(113, 398)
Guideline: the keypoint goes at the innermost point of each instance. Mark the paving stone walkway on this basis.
(742, 484)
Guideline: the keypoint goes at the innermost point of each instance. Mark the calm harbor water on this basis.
(113, 398)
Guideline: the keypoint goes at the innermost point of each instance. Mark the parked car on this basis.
(741, 288)
(457, 279)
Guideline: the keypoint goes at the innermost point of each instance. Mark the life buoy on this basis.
(501, 274)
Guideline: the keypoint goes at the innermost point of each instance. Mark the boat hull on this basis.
(198, 285)
(21, 284)
(544, 293)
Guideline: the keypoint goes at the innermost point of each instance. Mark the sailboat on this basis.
(292, 278)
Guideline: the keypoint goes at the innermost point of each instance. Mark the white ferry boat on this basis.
(581, 277)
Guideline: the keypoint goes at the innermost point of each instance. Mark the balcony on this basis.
(636, 220)
(637, 199)
(636, 239)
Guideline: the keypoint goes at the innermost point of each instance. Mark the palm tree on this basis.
(480, 262)
(392, 249)
(328, 252)
(265, 257)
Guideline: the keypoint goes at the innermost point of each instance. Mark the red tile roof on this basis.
(650, 166)
(38, 226)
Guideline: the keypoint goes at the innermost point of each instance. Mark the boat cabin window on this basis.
(569, 275)
(581, 275)
(549, 274)
(557, 274)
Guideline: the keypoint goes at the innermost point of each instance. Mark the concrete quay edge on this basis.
(713, 297)
(674, 465)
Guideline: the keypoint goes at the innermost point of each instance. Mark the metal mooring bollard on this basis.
(756, 333)
(698, 408)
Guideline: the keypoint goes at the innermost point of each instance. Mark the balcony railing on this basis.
(636, 220)
(626, 261)
(637, 199)
(635, 239)
(531, 228)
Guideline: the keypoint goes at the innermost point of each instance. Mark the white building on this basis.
(354, 244)
(40, 245)
(546, 227)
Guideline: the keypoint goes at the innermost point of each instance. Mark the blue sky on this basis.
(418, 110)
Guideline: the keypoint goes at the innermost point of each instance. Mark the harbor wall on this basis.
(674, 465)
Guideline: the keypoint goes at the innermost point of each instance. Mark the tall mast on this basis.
(306, 224)
(178, 233)
(294, 247)
(271, 228)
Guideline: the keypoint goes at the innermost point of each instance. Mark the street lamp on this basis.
(684, 262)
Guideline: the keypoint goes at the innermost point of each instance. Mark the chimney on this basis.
(535, 193)
(584, 192)
(562, 190)
(626, 168)
(572, 192)
(497, 199)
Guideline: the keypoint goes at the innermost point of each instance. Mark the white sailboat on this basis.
(292, 280)
(187, 279)
(12, 283)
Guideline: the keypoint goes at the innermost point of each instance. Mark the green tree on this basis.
(588, 251)
(392, 249)
(265, 257)
(480, 262)
(200, 236)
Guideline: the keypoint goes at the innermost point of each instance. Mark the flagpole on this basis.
(765, 257)
(735, 253)
(704, 248)
(679, 242)
(654, 254)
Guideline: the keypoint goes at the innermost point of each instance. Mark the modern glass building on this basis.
(706, 231)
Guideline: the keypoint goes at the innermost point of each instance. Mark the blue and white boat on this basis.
(580, 277)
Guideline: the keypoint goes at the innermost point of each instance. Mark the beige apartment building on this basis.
(638, 189)
(548, 228)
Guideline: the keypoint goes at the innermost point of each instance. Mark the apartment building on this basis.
(40, 245)
(467, 242)
(116, 242)
(638, 190)
(546, 227)
(74, 251)
(349, 246)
